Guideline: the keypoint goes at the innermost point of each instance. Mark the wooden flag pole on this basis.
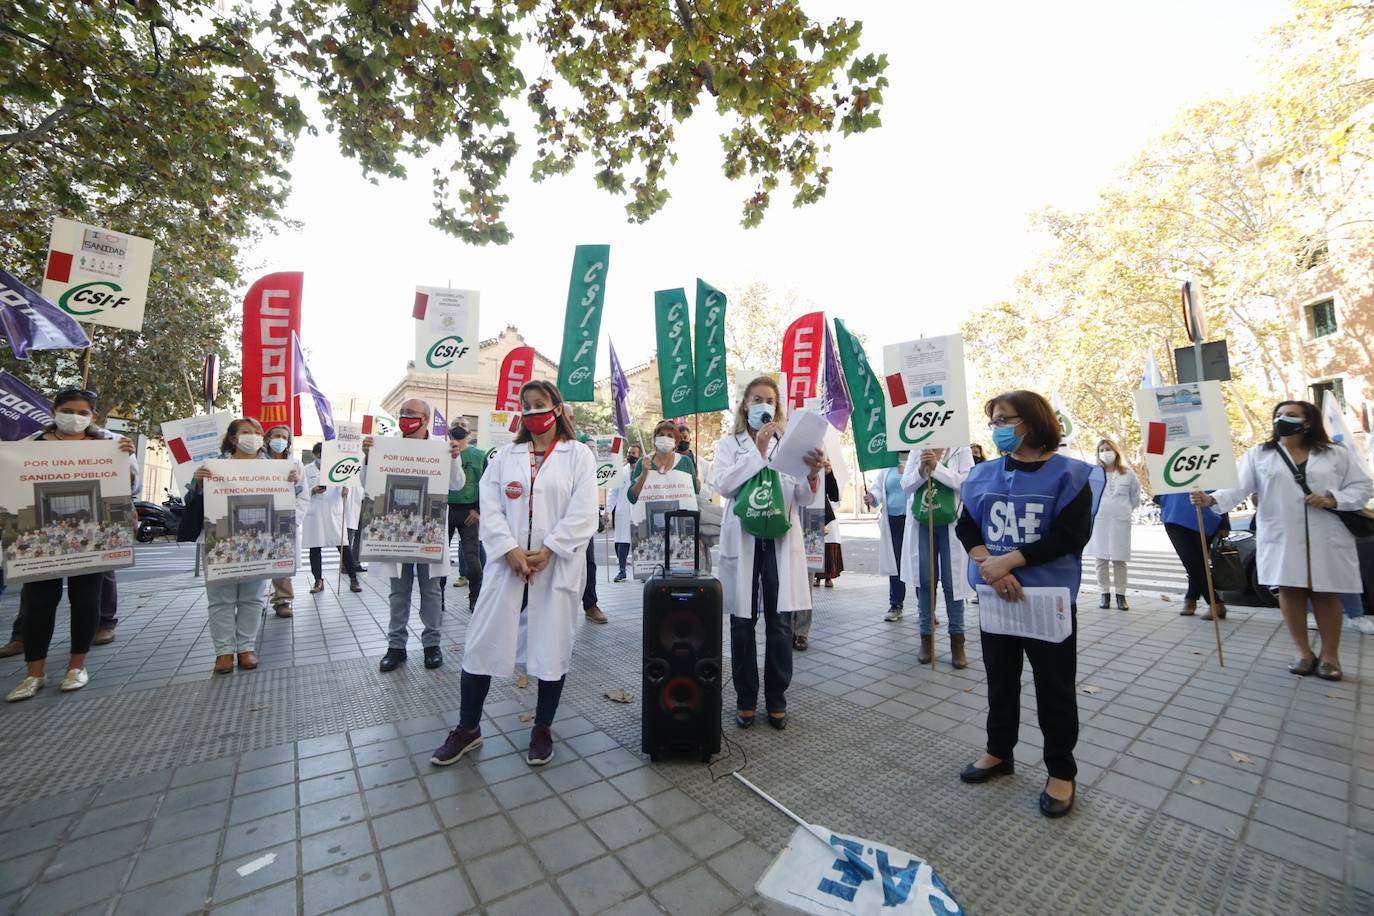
(447, 419)
(930, 517)
(343, 539)
(1211, 592)
(86, 359)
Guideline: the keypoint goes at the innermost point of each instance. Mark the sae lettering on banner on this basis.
(193, 440)
(1187, 439)
(676, 379)
(98, 275)
(927, 404)
(446, 330)
(341, 458)
(250, 520)
(405, 501)
(498, 429)
(582, 322)
(65, 509)
(610, 456)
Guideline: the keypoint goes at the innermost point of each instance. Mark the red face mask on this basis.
(410, 425)
(539, 422)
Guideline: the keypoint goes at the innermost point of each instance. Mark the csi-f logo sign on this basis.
(760, 499)
(445, 351)
(579, 375)
(591, 295)
(877, 444)
(344, 470)
(923, 420)
(1193, 460)
(604, 472)
(681, 393)
(92, 298)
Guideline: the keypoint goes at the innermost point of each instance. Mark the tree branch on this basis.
(47, 124)
(703, 68)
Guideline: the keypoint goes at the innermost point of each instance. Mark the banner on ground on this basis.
(405, 500)
(854, 876)
(869, 419)
(582, 322)
(65, 509)
(446, 330)
(23, 411)
(341, 458)
(662, 493)
(801, 357)
(713, 391)
(498, 429)
(676, 377)
(1187, 439)
(516, 369)
(610, 456)
(250, 520)
(31, 322)
(98, 275)
(271, 315)
(927, 400)
(193, 440)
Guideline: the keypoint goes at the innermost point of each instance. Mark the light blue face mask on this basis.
(1005, 438)
(278, 445)
(759, 415)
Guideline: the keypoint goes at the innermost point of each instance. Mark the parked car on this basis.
(1243, 536)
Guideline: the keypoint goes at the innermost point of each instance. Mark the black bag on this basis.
(192, 518)
(1228, 574)
(1359, 522)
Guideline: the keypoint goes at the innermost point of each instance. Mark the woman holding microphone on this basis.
(762, 558)
(1301, 479)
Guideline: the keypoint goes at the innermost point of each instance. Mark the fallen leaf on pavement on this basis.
(1165, 598)
(1091, 689)
(619, 696)
(1194, 780)
(1238, 757)
(526, 716)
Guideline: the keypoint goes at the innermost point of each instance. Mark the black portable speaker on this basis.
(682, 655)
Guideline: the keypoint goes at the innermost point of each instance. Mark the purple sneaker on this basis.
(459, 742)
(541, 746)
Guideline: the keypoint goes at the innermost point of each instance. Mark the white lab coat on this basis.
(1111, 538)
(390, 570)
(737, 460)
(324, 521)
(302, 490)
(1282, 540)
(888, 562)
(565, 511)
(950, 471)
(618, 498)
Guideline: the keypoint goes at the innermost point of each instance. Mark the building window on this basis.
(1321, 318)
(1336, 386)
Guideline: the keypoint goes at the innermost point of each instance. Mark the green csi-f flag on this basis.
(713, 392)
(676, 380)
(582, 322)
(869, 419)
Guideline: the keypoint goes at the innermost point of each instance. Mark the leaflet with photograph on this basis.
(662, 493)
(193, 440)
(1044, 613)
(405, 500)
(250, 520)
(1184, 417)
(65, 509)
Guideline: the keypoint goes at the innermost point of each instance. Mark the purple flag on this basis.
(304, 383)
(440, 427)
(23, 411)
(838, 406)
(31, 322)
(620, 392)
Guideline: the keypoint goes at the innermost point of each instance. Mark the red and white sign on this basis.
(516, 369)
(802, 346)
(271, 314)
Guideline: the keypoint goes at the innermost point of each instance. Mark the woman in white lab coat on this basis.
(894, 518)
(1111, 541)
(948, 467)
(1301, 546)
(761, 576)
(618, 498)
(279, 447)
(539, 511)
(325, 526)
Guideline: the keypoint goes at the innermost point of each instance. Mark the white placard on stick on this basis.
(405, 500)
(446, 330)
(341, 458)
(498, 429)
(97, 275)
(610, 456)
(1187, 439)
(927, 401)
(193, 440)
(250, 520)
(662, 493)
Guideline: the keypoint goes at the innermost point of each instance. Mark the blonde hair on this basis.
(1120, 462)
(742, 411)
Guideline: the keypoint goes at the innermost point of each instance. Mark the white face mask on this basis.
(250, 443)
(278, 445)
(71, 423)
(664, 443)
(1106, 457)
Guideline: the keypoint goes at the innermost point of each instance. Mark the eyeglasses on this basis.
(1003, 421)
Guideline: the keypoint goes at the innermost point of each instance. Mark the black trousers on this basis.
(777, 646)
(896, 588)
(622, 555)
(38, 603)
(472, 555)
(109, 608)
(472, 689)
(1054, 668)
(1188, 546)
(589, 590)
(317, 561)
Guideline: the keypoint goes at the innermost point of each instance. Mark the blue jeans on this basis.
(235, 610)
(954, 610)
(1352, 606)
(431, 606)
(896, 588)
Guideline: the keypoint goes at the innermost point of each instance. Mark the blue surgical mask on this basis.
(760, 414)
(278, 445)
(1005, 438)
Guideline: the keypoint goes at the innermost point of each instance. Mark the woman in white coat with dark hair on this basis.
(539, 510)
(1301, 545)
(618, 501)
(761, 576)
(948, 467)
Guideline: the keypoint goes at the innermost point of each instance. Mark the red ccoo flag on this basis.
(1155, 433)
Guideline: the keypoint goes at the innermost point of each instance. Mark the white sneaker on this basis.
(1363, 625)
(26, 689)
(75, 679)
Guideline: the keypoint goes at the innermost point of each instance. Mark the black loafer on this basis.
(975, 774)
(1302, 668)
(778, 722)
(1053, 807)
(392, 659)
(434, 656)
(744, 721)
(1106, 601)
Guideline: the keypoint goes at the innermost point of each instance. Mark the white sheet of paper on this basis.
(1044, 613)
(804, 433)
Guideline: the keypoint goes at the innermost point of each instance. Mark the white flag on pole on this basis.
(1337, 427)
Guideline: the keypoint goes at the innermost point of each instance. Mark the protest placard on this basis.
(498, 429)
(926, 397)
(193, 440)
(405, 500)
(662, 493)
(341, 458)
(65, 509)
(250, 520)
(446, 330)
(610, 455)
(97, 275)
(1187, 439)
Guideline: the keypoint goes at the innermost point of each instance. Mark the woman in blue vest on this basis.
(1025, 522)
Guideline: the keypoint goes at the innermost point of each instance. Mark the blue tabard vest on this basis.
(1015, 508)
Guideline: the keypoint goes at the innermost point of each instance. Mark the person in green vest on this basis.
(463, 511)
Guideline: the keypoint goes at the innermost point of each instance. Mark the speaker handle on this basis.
(695, 516)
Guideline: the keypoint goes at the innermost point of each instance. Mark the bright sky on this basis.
(994, 109)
